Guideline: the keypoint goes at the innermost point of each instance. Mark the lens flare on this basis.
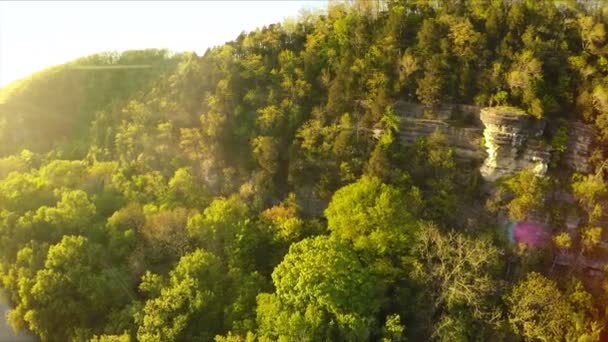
(528, 233)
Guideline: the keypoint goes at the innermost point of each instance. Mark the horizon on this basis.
(77, 29)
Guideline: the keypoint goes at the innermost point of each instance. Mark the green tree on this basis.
(183, 189)
(528, 190)
(374, 216)
(75, 292)
(590, 191)
(311, 292)
(216, 228)
(189, 305)
(538, 309)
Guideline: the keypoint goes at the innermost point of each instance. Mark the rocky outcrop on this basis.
(445, 112)
(578, 147)
(505, 139)
(464, 140)
(512, 141)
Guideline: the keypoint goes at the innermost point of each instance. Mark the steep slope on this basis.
(54, 107)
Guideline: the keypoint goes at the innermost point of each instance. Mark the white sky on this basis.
(35, 35)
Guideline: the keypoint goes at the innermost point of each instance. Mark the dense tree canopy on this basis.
(261, 191)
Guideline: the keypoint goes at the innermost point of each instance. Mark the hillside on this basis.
(384, 171)
(56, 106)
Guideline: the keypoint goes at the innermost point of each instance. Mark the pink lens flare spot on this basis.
(531, 234)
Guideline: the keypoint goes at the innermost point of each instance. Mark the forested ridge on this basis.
(260, 192)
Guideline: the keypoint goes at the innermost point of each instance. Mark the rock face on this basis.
(578, 148)
(464, 140)
(505, 139)
(512, 143)
(502, 140)
(444, 112)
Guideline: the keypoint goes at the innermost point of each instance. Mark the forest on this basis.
(262, 192)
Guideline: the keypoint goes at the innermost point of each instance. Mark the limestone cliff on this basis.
(512, 143)
(505, 139)
(578, 148)
(464, 140)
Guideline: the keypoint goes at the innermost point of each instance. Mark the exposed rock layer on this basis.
(506, 139)
(512, 143)
(578, 148)
(464, 140)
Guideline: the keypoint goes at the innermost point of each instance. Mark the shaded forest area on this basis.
(241, 195)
